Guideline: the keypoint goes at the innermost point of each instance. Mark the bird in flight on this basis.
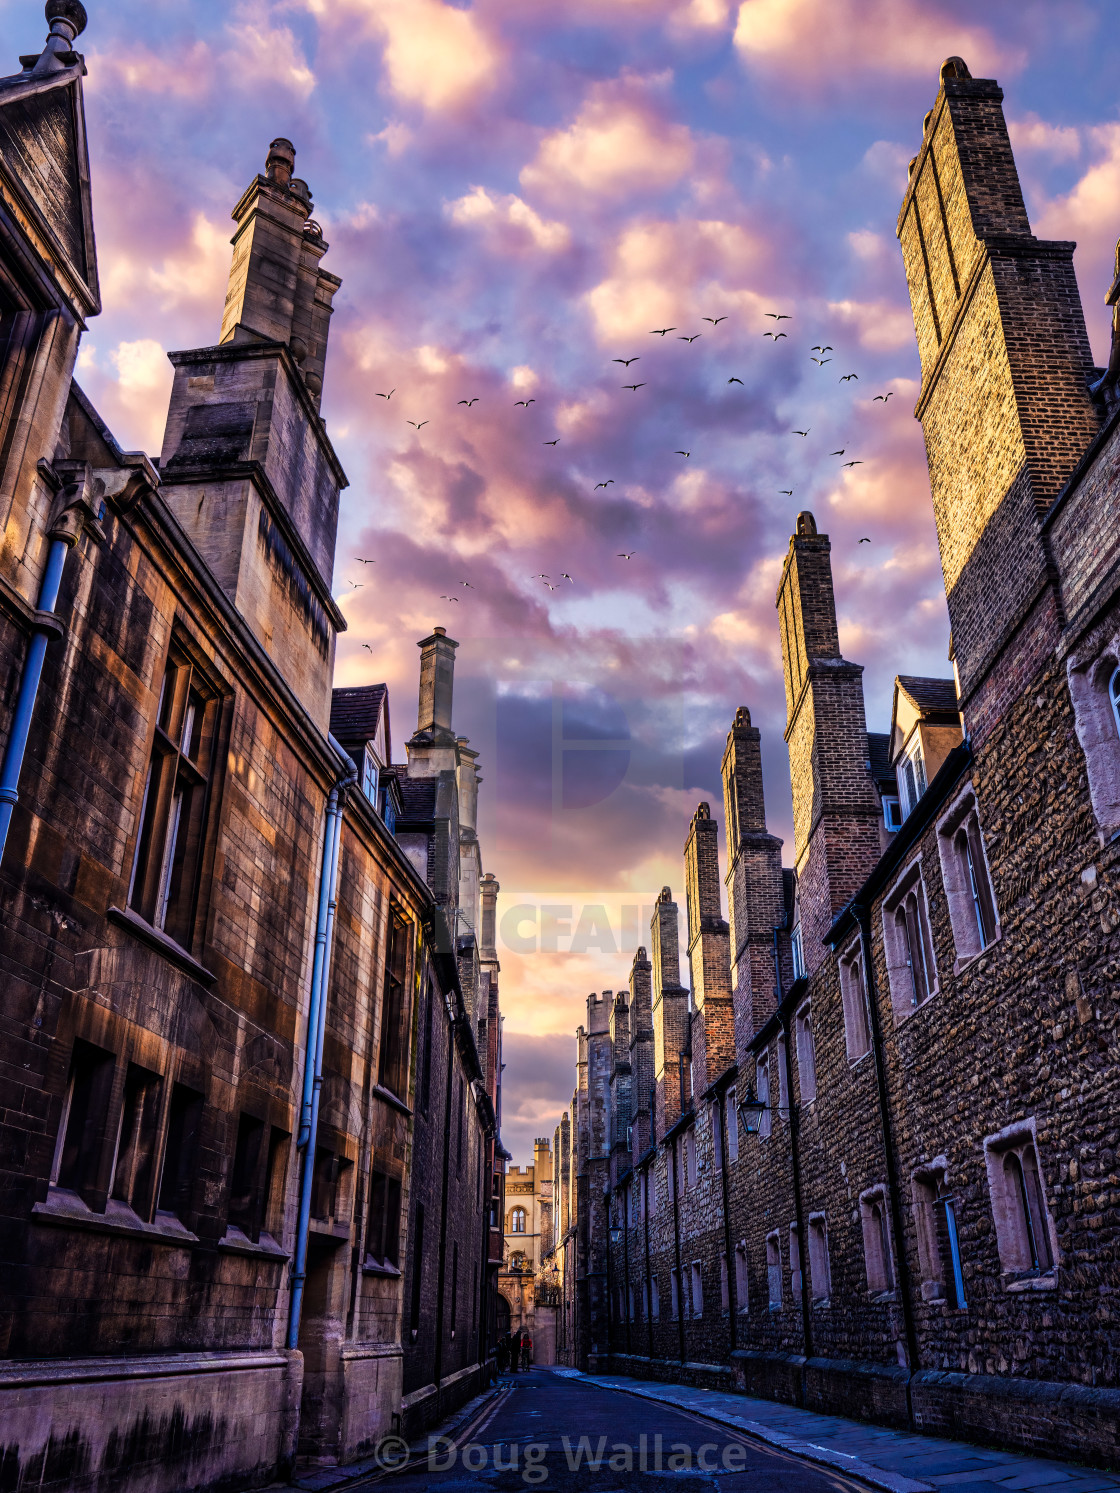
(837, 453)
(785, 492)
(467, 584)
(801, 432)
(778, 316)
(469, 402)
(418, 427)
(564, 576)
(715, 320)
(386, 396)
(364, 562)
(853, 463)
(525, 402)
(448, 598)
(623, 555)
(357, 585)
(608, 483)
(541, 575)
(550, 586)
(776, 335)
(822, 361)
(661, 331)
(690, 339)
(556, 442)
(865, 541)
(633, 386)
(626, 361)
(734, 380)
(682, 453)
(845, 377)
(883, 397)
(367, 647)
(821, 349)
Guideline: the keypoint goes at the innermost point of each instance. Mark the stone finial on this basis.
(910, 168)
(742, 716)
(954, 67)
(926, 120)
(67, 20)
(703, 811)
(665, 894)
(280, 162)
(806, 525)
(641, 957)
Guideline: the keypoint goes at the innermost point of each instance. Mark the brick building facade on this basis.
(249, 1136)
(871, 1160)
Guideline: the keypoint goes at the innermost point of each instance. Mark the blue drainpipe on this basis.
(29, 686)
(316, 1029)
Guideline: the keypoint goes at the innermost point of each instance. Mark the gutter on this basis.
(316, 1030)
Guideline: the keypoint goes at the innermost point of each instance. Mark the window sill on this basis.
(391, 1099)
(67, 1210)
(235, 1242)
(339, 1232)
(879, 1297)
(1016, 1282)
(379, 1267)
(960, 965)
(131, 922)
(821, 1303)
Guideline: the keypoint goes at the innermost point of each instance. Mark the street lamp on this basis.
(751, 1111)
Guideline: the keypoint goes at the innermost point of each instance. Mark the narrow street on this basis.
(547, 1430)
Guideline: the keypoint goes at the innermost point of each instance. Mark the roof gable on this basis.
(44, 178)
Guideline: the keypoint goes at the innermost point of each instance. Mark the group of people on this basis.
(515, 1352)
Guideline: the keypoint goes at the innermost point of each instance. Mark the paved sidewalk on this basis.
(894, 1461)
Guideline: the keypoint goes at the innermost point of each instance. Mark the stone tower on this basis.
(835, 803)
(709, 954)
(1004, 403)
(755, 901)
(247, 468)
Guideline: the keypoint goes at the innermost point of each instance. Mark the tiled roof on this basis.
(418, 795)
(879, 753)
(935, 695)
(355, 714)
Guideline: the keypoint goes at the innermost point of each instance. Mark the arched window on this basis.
(1114, 697)
(517, 1221)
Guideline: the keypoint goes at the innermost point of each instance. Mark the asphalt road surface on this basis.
(554, 1433)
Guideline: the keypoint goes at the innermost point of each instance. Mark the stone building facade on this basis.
(249, 1135)
(872, 1159)
(529, 1291)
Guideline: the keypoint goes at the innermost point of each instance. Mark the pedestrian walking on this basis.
(526, 1351)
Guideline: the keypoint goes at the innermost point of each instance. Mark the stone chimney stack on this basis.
(709, 954)
(432, 748)
(670, 1017)
(621, 1085)
(488, 889)
(1004, 403)
(277, 290)
(835, 802)
(755, 900)
(641, 1055)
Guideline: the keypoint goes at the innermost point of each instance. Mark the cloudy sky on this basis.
(515, 194)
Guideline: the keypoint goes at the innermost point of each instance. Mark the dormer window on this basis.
(798, 953)
(892, 813)
(911, 778)
(370, 771)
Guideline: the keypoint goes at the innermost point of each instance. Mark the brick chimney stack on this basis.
(641, 1054)
(755, 900)
(670, 1016)
(1004, 403)
(835, 803)
(709, 953)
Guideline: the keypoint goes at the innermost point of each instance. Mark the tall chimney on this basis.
(709, 953)
(670, 1015)
(432, 748)
(488, 889)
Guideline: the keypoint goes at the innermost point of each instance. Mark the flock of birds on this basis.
(817, 354)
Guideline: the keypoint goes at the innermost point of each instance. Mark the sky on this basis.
(516, 195)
